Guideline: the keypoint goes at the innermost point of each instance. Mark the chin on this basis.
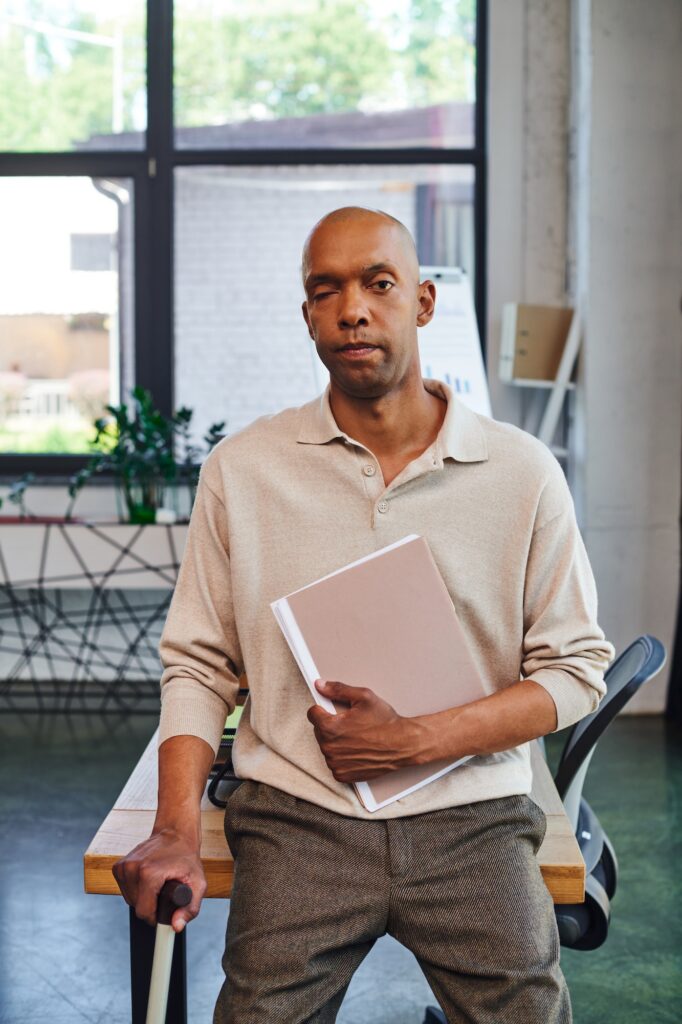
(368, 388)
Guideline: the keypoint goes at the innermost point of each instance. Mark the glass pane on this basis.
(300, 73)
(241, 347)
(66, 312)
(72, 75)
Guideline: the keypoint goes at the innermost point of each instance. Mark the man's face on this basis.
(363, 304)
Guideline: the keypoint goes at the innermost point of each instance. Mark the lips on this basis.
(357, 353)
(362, 346)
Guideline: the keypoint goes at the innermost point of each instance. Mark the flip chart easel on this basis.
(450, 347)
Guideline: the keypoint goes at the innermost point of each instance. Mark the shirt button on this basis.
(382, 506)
(369, 470)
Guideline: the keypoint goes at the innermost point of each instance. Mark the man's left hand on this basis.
(368, 739)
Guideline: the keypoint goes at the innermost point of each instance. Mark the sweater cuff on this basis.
(572, 698)
(190, 710)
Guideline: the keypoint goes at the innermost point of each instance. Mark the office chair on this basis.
(586, 925)
(223, 770)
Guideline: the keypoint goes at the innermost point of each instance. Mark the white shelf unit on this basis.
(544, 425)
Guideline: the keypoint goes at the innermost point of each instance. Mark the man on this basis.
(449, 870)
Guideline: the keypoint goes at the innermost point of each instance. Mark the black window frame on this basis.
(151, 170)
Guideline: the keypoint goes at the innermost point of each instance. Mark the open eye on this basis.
(382, 285)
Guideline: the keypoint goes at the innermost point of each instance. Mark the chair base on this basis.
(586, 925)
(434, 1016)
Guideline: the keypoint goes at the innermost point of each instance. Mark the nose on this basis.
(352, 310)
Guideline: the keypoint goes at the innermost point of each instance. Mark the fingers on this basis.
(143, 872)
(317, 714)
(326, 721)
(342, 691)
(150, 885)
(183, 915)
(343, 772)
(137, 888)
(126, 874)
(179, 919)
(357, 743)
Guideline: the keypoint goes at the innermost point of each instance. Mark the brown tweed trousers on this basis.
(460, 887)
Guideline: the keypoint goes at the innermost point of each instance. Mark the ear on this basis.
(306, 317)
(426, 299)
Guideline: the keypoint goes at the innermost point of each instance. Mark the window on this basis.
(65, 344)
(71, 73)
(137, 191)
(93, 252)
(341, 74)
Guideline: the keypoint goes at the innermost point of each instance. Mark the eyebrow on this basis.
(314, 279)
(377, 268)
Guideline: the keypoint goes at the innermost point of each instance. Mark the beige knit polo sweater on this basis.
(291, 498)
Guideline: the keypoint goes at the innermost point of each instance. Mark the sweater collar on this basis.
(461, 436)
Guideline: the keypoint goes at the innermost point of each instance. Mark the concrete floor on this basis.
(64, 955)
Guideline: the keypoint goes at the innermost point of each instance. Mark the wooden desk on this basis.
(131, 819)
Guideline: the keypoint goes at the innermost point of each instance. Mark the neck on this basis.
(404, 420)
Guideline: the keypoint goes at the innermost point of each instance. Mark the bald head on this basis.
(364, 301)
(360, 216)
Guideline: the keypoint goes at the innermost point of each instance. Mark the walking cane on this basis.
(174, 894)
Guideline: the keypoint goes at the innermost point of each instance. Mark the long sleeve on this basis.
(199, 647)
(564, 649)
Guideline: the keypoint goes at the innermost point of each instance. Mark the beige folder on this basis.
(387, 622)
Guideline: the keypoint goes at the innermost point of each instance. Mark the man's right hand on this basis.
(172, 850)
(142, 873)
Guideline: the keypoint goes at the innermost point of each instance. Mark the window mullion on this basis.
(154, 239)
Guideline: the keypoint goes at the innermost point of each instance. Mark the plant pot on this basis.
(142, 500)
(141, 514)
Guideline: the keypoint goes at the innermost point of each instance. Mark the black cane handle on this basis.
(174, 894)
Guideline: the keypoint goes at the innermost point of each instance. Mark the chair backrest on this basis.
(636, 665)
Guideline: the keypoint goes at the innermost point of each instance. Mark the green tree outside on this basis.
(56, 91)
(279, 60)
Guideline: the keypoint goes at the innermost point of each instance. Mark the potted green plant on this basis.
(147, 453)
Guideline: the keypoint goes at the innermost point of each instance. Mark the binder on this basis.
(385, 621)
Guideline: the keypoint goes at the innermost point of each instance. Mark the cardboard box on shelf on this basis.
(533, 339)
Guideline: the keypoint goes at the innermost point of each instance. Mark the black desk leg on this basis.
(142, 938)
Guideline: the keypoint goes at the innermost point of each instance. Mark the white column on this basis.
(629, 263)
